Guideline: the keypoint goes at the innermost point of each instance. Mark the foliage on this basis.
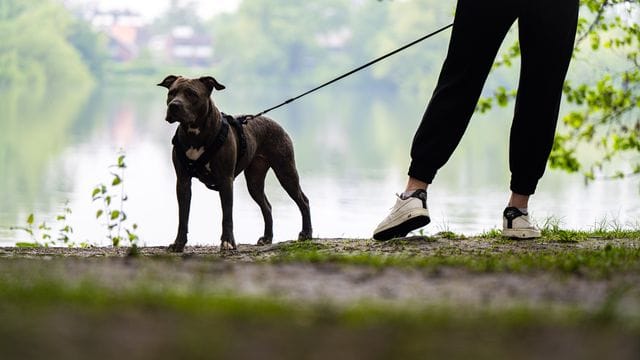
(605, 98)
(42, 236)
(299, 44)
(36, 49)
(112, 198)
(91, 46)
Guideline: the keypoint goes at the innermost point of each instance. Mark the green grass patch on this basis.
(88, 321)
(551, 231)
(592, 262)
(44, 293)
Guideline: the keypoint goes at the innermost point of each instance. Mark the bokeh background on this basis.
(77, 86)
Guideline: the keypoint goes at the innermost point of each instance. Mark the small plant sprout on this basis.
(112, 198)
(41, 234)
(65, 230)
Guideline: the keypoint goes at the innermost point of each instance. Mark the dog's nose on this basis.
(174, 105)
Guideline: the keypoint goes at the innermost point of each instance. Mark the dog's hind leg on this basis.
(287, 175)
(255, 174)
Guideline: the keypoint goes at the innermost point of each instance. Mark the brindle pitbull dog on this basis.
(216, 148)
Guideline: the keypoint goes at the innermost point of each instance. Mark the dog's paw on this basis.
(176, 248)
(305, 235)
(264, 241)
(226, 246)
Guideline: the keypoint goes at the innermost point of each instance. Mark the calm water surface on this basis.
(352, 154)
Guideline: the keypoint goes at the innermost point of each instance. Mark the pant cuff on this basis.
(421, 173)
(523, 186)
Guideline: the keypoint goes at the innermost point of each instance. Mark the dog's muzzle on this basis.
(175, 112)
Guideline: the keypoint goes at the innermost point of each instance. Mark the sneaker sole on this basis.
(521, 233)
(402, 229)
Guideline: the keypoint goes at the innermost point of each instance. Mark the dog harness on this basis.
(196, 168)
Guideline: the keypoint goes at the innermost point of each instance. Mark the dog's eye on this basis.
(190, 93)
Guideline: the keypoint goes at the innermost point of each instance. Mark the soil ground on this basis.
(339, 298)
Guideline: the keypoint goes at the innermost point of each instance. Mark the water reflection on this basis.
(351, 150)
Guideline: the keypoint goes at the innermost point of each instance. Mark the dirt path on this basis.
(326, 299)
(256, 271)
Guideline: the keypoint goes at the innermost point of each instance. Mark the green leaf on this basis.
(30, 219)
(27, 245)
(121, 163)
(95, 192)
(116, 181)
(99, 213)
(115, 214)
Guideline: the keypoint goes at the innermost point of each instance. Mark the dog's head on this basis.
(188, 99)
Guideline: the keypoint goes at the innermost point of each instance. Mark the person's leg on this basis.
(547, 35)
(414, 184)
(478, 31)
(519, 201)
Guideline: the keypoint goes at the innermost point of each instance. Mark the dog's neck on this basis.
(203, 129)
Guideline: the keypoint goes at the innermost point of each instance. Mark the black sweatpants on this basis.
(547, 30)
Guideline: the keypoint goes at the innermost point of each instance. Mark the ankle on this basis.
(519, 201)
(414, 184)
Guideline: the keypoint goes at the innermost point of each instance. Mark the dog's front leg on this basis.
(226, 199)
(183, 192)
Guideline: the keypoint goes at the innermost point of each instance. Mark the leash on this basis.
(351, 72)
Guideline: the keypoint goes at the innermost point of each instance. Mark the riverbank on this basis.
(444, 296)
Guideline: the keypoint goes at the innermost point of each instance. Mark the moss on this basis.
(52, 293)
(591, 262)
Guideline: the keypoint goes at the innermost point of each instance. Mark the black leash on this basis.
(353, 71)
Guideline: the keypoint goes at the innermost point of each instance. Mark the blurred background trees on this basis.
(292, 45)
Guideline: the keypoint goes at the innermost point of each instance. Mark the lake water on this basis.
(352, 154)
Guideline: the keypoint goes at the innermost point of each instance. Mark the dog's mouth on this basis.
(175, 117)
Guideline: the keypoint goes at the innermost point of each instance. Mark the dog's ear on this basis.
(168, 81)
(211, 83)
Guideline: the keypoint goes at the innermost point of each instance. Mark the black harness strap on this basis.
(237, 123)
(195, 168)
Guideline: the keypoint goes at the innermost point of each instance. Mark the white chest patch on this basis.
(194, 154)
(194, 131)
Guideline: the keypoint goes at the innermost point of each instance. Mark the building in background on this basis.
(131, 36)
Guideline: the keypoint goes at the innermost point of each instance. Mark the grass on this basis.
(47, 293)
(48, 316)
(590, 262)
(49, 307)
(552, 231)
(596, 262)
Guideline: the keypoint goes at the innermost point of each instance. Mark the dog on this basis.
(215, 148)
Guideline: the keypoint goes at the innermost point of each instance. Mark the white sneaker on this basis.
(407, 215)
(516, 224)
